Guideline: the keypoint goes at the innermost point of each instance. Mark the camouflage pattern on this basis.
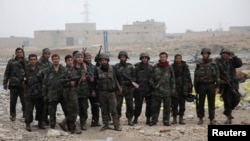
(206, 80)
(71, 97)
(227, 71)
(127, 89)
(45, 65)
(106, 85)
(33, 93)
(94, 102)
(83, 95)
(142, 77)
(183, 83)
(14, 80)
(162, 92)
(53, 90)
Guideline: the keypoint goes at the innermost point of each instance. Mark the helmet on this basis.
(123, 53)
(190, 98)
(144, 55)
(206, 50)
(225, 51)
(104, 56)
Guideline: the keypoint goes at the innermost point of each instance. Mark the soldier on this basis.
(53, 90)
(70, 93)
(33, 92)
(45, 63)
(107, 83)
(163, 81)
(13, 80)
(125, 68)
(95, 105)
(229, 87)
(183, 83)
(143, 71)
(206, 83)
(82, 89)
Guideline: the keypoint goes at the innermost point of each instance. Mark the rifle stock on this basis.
(132, 82)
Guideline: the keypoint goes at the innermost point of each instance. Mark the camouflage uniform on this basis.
(162, 92)
(183, 83)
(45, 65)
(95, 105)
(142, 77)
(52, 88)
(33, 94)
(127, 89)
(14, 79)
(83, 94)
(106, 83)
(206, 80)
(230, 85)
(71, 98)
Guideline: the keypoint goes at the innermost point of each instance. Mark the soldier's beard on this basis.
(105, 67)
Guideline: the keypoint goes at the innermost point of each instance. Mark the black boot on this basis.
(130, 123)
(28, 128)
(181, 120)
(148, 121)
(174, 120)
(135, 120)
(40, 125)
(105, 127)
(200, 121)
(83, 126)
(63, 125)
(118, 128)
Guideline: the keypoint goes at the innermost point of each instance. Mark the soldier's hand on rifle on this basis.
(93, 94)
(72, 83)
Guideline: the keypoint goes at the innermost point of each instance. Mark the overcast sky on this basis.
(23, 17)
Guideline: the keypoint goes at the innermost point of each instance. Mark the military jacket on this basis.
(82, 86)
(142, 77)
(227, 70)
(33, 81)
(106, 80)
(127, 69)
(14, 73)
(164, 81)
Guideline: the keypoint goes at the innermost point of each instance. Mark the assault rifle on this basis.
(132, 82)
(74, 78)
(97, 56)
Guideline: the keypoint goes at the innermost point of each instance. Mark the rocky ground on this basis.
(140, 132)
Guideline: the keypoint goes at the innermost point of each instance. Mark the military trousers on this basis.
(178, 104)
(83, 109)
(16, 92)
(206, 90)
(156, 106)
(53, 109)
(108, 104)
(139, 99)
(230, 99)
(127, 94)
(31, 103)
(95, 108)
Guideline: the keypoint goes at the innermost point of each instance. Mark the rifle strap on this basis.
(162, 77)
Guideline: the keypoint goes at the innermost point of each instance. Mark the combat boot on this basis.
(28, 128)
(135, 121)
(130, 123)
(174, 120)
(166, 123)
(200, 121)
(228, 121)
(152, 123)
(212, 122)
(83, 126)
(40, 125)
(118, 128)
(78, 130)
(12, 118)
(148, 121)
(105, 127)
(181, 120)
(63, 125)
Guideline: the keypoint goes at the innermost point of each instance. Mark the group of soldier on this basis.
(43, 84)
